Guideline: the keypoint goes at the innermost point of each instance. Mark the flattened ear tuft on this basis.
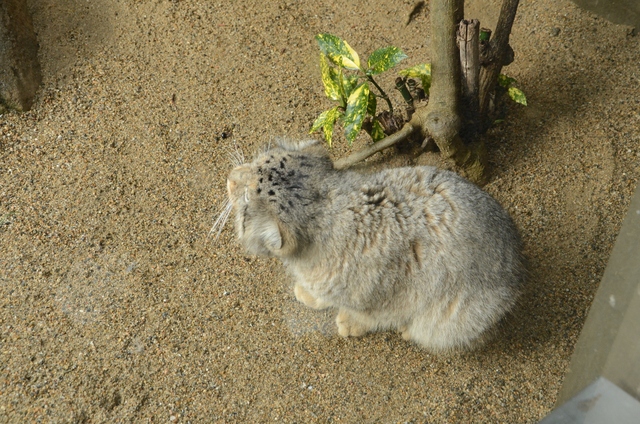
(270, 235)
(294, 146)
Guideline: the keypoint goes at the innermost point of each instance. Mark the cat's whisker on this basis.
(220, 222)
(235, 156)
(239, 154)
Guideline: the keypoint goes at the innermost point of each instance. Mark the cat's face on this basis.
(256, 227)
(273, 197)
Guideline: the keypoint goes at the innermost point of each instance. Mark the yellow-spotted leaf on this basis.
(319, 122)
(356, 112)
(326, 121)
(330, 79)
(338, 51)
(349, 83)
(517, 95)
(505, 81)
(417, 71)
(384, 59)
(353, 62)
(327, 128)
(373, 104)
(377, 132)
(423, 72)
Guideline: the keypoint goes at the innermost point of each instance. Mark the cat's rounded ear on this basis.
(276, 238)
(270, 235)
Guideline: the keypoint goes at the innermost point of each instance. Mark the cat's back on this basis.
(440, 211)
(430, 186)
(423, 193)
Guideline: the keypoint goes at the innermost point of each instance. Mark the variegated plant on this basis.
(346, 80)
(514, 93)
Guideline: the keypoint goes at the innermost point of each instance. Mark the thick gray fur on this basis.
(418, 250)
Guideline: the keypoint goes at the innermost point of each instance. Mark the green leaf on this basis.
(319, 122)
(505, 81)
(377, 132)
(517, 95)
(373, 103)
(330, 79)
(384, 59)
(356, 111)
(349, 83)
(423, 72)
(338, 51)
(326, 121)
(417, 71)
(334, 114)
(426, 83)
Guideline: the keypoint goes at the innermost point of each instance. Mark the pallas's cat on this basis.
(418, 250)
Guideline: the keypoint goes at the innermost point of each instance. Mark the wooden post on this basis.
(468, 42)
(497, 52)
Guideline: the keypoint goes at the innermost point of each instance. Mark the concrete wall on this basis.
(625, 12)
(609, 344)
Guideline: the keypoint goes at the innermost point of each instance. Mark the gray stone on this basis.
(20, 73)
(626, 12)
(609, 344)
(600, 402)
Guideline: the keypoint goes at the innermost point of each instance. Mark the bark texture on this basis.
(440, 119)
(496, 54)
(469, 44)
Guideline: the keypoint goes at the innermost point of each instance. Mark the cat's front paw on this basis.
(348, 326)
(404, 331)
(305, 297)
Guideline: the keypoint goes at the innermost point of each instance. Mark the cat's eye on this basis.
(246, 194)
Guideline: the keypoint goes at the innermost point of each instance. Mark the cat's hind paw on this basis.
(348, 326)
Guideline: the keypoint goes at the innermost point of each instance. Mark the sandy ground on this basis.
(115, 306)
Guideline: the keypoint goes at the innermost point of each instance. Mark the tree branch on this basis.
(498, 50)
(386, 142)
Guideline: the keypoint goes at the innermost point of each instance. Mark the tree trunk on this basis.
(440, 119)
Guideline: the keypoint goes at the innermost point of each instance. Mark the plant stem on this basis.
(388, 141)
(382, 93)
(401, 86)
